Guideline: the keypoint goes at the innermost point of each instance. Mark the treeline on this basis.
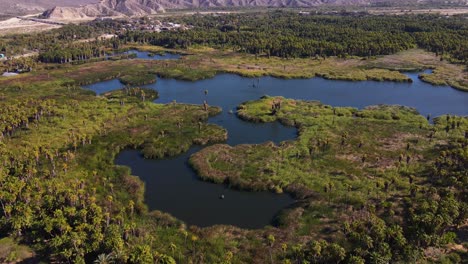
(16, 44)
(66, 44)
(81, 42)
(73, 52)
(282, 34)
(58, 45)
(291, 35)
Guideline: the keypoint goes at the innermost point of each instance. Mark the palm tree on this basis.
(165, 259)
(315, 250)
(173, 247)
(104, 259)
(271, 242)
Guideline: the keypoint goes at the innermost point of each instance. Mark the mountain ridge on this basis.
(119, 8)
(21, 7)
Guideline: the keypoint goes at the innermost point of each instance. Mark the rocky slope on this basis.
(106, 8)
(147, 7)
(21, 7)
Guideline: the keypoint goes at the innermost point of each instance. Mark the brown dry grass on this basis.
(444, 73)
(355, 69)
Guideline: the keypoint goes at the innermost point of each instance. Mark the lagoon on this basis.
(173, 187)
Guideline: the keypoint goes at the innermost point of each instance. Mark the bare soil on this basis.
(19, 26)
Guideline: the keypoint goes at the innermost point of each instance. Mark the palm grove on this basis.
(61, 194)
(282, 34)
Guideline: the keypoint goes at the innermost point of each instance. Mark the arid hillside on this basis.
(21, 7)
(148, 7)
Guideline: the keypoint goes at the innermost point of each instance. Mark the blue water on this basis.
(228, 90)
(173, 187)
(145, 55)
(105, 86)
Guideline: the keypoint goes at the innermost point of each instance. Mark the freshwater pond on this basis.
(173, 187)
(153, 56)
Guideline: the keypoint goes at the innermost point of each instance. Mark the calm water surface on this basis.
(105, 86)
(173, 187)
(146, 55)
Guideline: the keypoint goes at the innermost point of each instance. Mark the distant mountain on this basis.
(107, 8)
(148, 7)
(19, 7)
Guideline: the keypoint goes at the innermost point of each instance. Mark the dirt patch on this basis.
(101, 37)
(19, 26)
(349, 157)
(138, 130)
(397, 142)
(23, 79)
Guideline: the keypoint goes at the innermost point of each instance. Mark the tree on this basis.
(271, 243)
(104, 259)
(141, 254)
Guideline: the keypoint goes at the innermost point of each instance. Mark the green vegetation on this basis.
(59, 184)
(60, 191)
(394, 185)
(140, 79)
(376, 185)
(291, 35)
(280, 44)
(203, 63)
(274, 34)
(132, 94)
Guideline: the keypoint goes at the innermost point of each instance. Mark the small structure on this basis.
(2, 56)
(9, 74)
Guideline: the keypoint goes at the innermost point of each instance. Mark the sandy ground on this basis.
(102, 37)
(16, 25)
(30, 54)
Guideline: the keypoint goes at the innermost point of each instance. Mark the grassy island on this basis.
(353, 171)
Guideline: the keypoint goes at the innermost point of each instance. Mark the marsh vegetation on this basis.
(373, 184)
